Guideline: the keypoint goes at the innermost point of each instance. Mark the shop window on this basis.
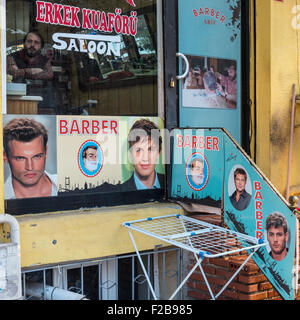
(102, 57)
(80, 75)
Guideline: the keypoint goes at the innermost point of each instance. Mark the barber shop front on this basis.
(108, 109)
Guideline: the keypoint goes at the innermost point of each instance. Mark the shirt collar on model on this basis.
(140, 186)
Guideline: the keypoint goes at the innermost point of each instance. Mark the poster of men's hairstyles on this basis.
(47, 156)
(211, 170)
(197, 172)
(30, 166)
(252, 206)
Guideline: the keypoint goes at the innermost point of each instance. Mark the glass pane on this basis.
(81, 57)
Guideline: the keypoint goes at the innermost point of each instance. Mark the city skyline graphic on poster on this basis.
(197, 166)
(262, 213)
(251, 205)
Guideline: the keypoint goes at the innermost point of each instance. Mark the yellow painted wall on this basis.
(78, 235)
(277, 70)
(53, 238)
(1, 141)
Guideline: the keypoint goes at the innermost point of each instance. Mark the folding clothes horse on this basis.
(200, 238)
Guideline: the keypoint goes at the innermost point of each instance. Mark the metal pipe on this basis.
(36, 289)
(14, 227)
(291, 144)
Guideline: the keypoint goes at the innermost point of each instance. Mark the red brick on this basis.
(244, 288)
(229, 294)
(252, 278)
(197, 276)
(273, 293)
(265, 286)
(222, 262)
(190, 284)
(277, 298)
(198, 295)
(203, 287)
(208, 269)
(224, 273)
(253, 296)
(216, 281)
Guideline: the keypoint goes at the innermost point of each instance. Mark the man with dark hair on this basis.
(31, 67)
(29, 63)
(277, 235)
(228, 84)
(240, 199)
(210, 85)
(25, 150)
(145, 144)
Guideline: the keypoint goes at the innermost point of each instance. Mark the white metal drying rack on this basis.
(200, 238)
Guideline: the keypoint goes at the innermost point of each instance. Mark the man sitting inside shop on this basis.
(29, 63)
(145, 145)
(31, 67)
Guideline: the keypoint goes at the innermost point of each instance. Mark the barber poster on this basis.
(197, 166)
(87, 162)
(49, 156)
(109, 154)
(210, 39)
(253, 207)
(30, 163)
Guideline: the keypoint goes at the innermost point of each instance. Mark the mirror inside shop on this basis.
(75, 57)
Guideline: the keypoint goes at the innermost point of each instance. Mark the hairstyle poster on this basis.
(30, 163)
(253, 207)
(49, 156)
(107, 154)
(197, 166)
(210, 64)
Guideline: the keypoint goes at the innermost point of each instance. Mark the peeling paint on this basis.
(278, 138)
(235, 20)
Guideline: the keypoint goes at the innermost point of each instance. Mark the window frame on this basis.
(75, 202)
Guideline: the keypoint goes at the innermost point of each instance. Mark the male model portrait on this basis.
(277, 235)
(240, 198)
(25, 150)
(145, 144)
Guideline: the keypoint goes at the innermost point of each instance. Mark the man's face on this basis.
(240, 182)
(145, 154)
(277, 239)
(231, 72)
(91, 159)
(27, 160)
(197, 172)
(32, 45)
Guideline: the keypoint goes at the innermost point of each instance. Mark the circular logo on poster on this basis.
(90, 158)
(197, 171)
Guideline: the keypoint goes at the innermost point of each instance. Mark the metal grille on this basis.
(113, 278)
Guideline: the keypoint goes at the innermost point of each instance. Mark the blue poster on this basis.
(253, 207)
(197, 169)
(209, 168)
(210, 39)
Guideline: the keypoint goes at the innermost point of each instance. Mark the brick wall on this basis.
(249, 284)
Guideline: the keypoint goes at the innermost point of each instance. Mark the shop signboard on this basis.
(209, 168)
(66, 155)
(252, 206)
(210, 39)
(197, 166)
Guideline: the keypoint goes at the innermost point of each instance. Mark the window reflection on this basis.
(121, 81)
